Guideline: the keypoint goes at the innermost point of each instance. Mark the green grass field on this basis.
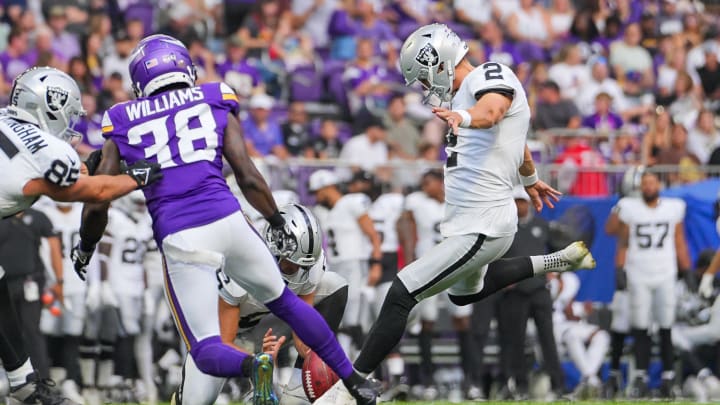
(529, 402)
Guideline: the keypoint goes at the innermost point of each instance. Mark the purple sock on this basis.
(312, 329)
(214, 357)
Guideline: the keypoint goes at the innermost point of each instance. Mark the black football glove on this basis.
(144, 173)
(281, 240)
(81, 260)
(620, 279)
(93, 161)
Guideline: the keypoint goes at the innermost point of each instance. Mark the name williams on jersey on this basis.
(164, 102)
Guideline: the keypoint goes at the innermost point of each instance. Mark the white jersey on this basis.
(128, 239)
(385, 212)
(428, 214)
(303, 282)
(152, 260)
(482, 165)
(27, 153)
(281, 197)
(651, 254)
(345, 238)
(66, 225)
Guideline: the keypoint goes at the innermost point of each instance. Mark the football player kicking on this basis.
(36, 159)
(487, 156)
(197, 222)
(247, 322)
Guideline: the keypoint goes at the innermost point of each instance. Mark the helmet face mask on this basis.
(305, 229)
(50, 99)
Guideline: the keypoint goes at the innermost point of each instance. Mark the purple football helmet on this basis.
(158, 61)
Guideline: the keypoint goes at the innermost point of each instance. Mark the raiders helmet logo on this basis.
(55, 97)
(427, 56)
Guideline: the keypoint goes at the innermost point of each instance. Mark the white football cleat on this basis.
(575, 256)
(338, 394)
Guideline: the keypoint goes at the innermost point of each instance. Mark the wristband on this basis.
(375, 261)
(466, 118)
(276, 220)
(530, 180)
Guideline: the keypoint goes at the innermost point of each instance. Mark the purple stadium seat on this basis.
(305, 84)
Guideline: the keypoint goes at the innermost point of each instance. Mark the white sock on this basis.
(19, 376)
(704, 373)
(105, 372)
(596, 351)
(58, 374)
(87, 372)
(395, 365)
(668, 375)
(143, 356)
(547, 263)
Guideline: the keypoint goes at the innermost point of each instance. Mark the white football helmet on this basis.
(48, 98)
(305, 229)
(429, 56)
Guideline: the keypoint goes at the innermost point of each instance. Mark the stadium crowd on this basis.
(610, 82)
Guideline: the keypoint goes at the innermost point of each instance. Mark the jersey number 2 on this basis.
(492, 71)
(191, 125)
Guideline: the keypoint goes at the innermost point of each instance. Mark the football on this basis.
(317, 377)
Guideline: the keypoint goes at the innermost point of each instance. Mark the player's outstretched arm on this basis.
(490, 108)
(251, 182)
(537, 189)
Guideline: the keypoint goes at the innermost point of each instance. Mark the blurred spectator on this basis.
(529, 26)
(235, 12)
(203, 59)
(265, 28)
(180, 19)
(118, 61)
(504, 9)
(473, 13)
(497, 49)
(581, 173)
(343, 33)
(628, 11)
(704, 138)
(366, 78)
(370, 26)
(678, 154)
(90, 126)
(64, 43)
(78, 70)
(627, 55)
(135, 29)
(296, 130)
(313, 17)
(112, 91)
(476, 53)
(668, 74)
(47, 54)
(692, 34)
(367, 150)
(236, 70)
(569, 72)
(403, 136)
(327, 146)
(16, 58)
(648, 31)
(603, 119)
(670, 20)
(561, 18)
(554, 112)
(686, 105)
(263, 136)
(709, 73)
(657, 138)
(623, 148)
(583, 29)
(101, 28)
(639, 100)
(600, 82)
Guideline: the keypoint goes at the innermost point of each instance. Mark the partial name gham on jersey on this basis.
(164, 102)
(29, 134)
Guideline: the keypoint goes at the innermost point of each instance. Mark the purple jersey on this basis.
(183, 131)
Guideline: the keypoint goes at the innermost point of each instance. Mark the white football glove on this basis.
(108, 295)
(706, 286)
(92, 298)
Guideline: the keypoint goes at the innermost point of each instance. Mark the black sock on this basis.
(500, 274)
(12, 349)
(617, 344)
(70, 356)
(667, 354)
(56, 350)
(467, 357)
(426, 363)
(125, 357)
(388, 329)
(642, 349)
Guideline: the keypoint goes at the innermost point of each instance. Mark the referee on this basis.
(528, 298)
(20, 238)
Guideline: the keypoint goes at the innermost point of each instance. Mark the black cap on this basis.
(363, 175)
